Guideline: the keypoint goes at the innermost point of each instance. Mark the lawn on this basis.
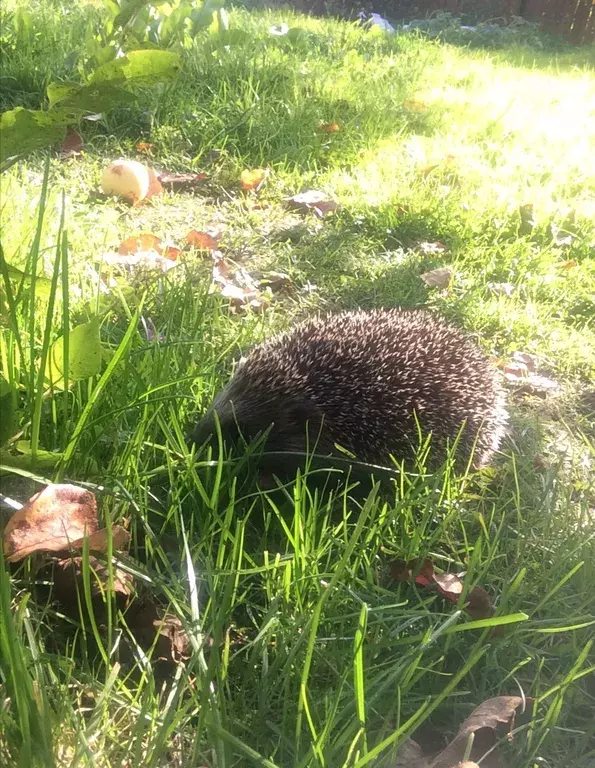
(290, 643)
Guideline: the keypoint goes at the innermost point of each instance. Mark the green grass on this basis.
(304, 652)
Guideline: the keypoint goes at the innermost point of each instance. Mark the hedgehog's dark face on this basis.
(245, 415)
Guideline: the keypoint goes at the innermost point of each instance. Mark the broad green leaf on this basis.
(139, 68)
(24, 459)
(42, 284)
(58, 92)
(172, 24)
(88, 98)
(129, 8)
(24, 130)
(112, 7)
(84, 354)
(202, 18)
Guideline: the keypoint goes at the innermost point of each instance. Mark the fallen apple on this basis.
(127, 179)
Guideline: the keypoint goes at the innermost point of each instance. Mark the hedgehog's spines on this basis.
(362, 379)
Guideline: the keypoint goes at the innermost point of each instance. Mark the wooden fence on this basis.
(574, 19)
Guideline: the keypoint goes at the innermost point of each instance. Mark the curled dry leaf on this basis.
(313, 200)
(486, 724)
(568, 265)
(144, 147)
(538, 385)
(520, 372)
(146, 621)
(329, 128)
(409, 754)
(142, 259)
(140, 243)
(515, 370)
(253, 179)
(50, 521)
(437, 278)
(170, 252)
(277, 281)
(175, 181)
(72, 145)
(244, 296)
(415, 105)
(450, 585)
(145, 248)
(68, 582)
(99, 541)
(432, 247)
(202, 240)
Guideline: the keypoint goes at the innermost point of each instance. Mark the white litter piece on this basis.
(376, 20)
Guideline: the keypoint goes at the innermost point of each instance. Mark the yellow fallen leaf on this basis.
(253, 179)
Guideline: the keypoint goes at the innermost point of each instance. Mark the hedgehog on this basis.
(369, 383)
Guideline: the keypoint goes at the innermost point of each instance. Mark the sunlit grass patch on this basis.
(479, 162)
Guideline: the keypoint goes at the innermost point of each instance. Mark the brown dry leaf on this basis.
(236, 293)
(146, 621)
(313, 200)
(480, 606)
(155, 187)
(537, 385)
(420, 571)
(253, 179)
(221, 271)
(329, 127)
(526, 359)
(98, 541)
(568, 265)
(243, 298)
(140, 244)
(520, 372)
(427, 169)
(180, 180)
(410, 755)
(415, 105)
(50, 521)
(437, 278)
(515, 370)
(450, 585)
(146, 259)
(68, 581)
(431, 248)
(277, 281)
(202, 240)
(144, 146)
(483, 723)
(171, 252)
(72, 145)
